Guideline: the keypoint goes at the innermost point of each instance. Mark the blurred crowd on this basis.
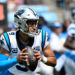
(68, 7)
(57, 31)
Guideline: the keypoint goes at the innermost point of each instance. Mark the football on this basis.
(33, 61)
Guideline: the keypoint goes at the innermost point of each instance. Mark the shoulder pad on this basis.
(11, 33)
(3, 42)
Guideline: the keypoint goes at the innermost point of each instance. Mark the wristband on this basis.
(44, 59)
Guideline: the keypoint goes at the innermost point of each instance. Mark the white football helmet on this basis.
(22, 16)
(71, 30)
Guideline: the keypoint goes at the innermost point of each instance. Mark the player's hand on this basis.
(38, 55)
(23, 56)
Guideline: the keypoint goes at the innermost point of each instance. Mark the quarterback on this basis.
(13, 44)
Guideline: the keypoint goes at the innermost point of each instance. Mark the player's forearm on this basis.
(51, 61)
(68, 45)
(5, 63)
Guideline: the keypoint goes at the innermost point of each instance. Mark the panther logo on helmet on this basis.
(22, 16)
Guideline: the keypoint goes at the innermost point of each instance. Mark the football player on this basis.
(13, 44)
(68, 58)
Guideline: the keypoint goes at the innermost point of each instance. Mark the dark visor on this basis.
(32, 22)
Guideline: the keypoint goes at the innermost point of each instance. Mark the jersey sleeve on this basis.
(46, 40)
(3, 43)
